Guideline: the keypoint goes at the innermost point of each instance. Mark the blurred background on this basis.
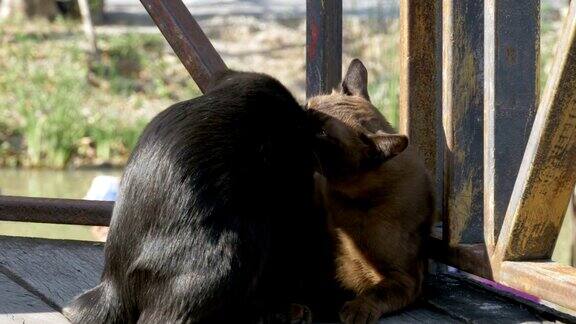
(72, 108)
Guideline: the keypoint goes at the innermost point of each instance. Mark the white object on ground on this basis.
(103, 188)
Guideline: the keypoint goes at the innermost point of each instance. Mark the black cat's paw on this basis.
(300, 314)
(294, 314)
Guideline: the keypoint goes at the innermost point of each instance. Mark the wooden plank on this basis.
(538, 282)
(472, 258)
(440, 137)
(470, 304)
(462, 97)
(420, 313)
(57, 211)
(551, 281)
(58, 270)
(186, 39)
(323, 46)
(573, 231)
(511, 58)
(535, 304)
(20, 306)
(420, 96)
(547, 174)
(55, 271)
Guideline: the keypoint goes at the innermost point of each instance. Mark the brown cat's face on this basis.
(352, 138)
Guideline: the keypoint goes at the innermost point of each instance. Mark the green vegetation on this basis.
(58, 109)
(377, 44)
(551, 23)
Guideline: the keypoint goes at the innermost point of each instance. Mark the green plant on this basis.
(59, 111)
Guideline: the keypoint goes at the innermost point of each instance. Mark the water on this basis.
(75, 184)
(51, 184)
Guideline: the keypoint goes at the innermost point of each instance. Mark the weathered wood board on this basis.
(43, 272)
(420, 78)
(511, 58)
(323, 46)
(573, 231)
(54, 270)
(547, 174)
(472, 258)
(449, 293)
(17, 305)
(462, 97)
(555, 281)
(420, 313)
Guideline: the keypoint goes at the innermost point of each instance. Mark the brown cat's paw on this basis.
(360, 311)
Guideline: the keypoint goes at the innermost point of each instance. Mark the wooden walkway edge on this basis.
(40, 276)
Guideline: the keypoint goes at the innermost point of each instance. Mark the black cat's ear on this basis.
(355, 82)
(389, 145)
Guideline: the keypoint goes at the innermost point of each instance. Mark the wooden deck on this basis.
(38, 277)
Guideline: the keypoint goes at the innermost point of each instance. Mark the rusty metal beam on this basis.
(323, 46)
(57, 211)
(186, 39)
(547, 174)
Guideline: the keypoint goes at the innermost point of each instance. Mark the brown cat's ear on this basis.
(355, 82)
(389, 145)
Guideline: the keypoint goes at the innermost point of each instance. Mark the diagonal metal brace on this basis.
(186, 39)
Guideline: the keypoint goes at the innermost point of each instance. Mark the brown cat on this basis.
(378, 198)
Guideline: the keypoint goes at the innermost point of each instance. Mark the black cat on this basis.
(206, 224)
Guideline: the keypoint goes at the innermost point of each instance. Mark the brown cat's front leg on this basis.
(395, 292)
(363, 309)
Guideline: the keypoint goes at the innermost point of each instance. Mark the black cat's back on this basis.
(208, 202)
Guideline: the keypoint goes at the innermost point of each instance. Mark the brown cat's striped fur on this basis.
(378, 199)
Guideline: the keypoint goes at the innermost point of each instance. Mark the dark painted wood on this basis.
(463, 83)
(17, 305)
(420, 74)
(531, 302)
(187, 39)
(472, 258)
(419, 313)
(440, 137)
(57, 211)
(469, 303)
(511, 47)
(54, 270)
(547, 174)
(323, 46)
